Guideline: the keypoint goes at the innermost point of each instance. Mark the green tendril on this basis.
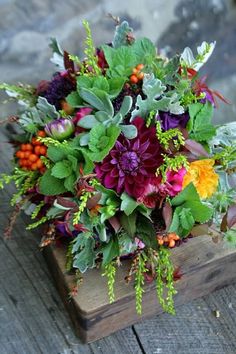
(139, 281)
(110, 272)
(165, 280)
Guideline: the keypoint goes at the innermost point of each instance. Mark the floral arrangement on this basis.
(118, 158)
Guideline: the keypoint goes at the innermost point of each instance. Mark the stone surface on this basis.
(27, 26)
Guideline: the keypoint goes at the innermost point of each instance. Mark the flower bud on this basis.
(60, 129)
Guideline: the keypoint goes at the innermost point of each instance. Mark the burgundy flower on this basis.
(170, 121)
(57, 89)
(156, 190)
(131, 164)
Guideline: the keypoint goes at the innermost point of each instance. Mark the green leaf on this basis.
(153, 89)
(110, 250)
(120, 60)
(69, 182)
(189, 193)
(74, 100)
(87, 122)
(74, 162)
(115, 86)
(126, 106)
(128, 222)
(62, 169)
(128, 204)
(56, 154)
(145, 232)
(97, 99)
(201, 212)
(186, 218)
(144, 50)
(199, 125)
(120, 37)
(50, 185)
(130, 131)
(83, 250)
(101, 141)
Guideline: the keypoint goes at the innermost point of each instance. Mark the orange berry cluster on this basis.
(168, 240)
(137, 74)
(29, 154)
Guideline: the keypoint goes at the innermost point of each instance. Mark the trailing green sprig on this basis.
(83, 202)
(51, 142)
(69, 257)
(165, 271)
(5, 179)
(37, 223)
(37, 210)
(139, 281)
(171, 135)
(110, 272)
(150, 118)
(90, 50)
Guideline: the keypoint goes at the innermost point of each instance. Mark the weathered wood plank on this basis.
(32, 315)
(205, 266)
(195, 328)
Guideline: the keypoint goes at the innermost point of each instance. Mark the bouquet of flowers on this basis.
(118, 158)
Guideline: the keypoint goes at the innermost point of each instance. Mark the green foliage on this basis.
(165, 279)
(83, 251)
(69, 257)
(128, 222)
(128, 204)
(230, 237)
(172, 135)
(35, 118)
(90, 51)
(120, 60)
(110, 250)
(37, 223)
(139, 280)
(199, 125)
(50, 185)
(24, 180)
(24, 93)
(153, 89)
(144, 50)
(121, 32)
(37, 210)
(101, 141)
(74, 99)
(110, 272)
(189, 209)
(145, 231)
(82, 205)
(62, 169)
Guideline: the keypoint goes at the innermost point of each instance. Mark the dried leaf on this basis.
(167, 214)
(231, 216)
(195, 148)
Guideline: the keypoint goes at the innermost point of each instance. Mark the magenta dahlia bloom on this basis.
(155, 191)
(131, 164)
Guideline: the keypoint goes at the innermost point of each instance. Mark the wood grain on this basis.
(205, 266)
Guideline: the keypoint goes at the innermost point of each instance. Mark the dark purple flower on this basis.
(60, 129)
(58, 88)
(170, 121)
(131, 163)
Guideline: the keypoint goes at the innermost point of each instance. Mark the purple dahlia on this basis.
(170, 121)
(58, 88)
(131, 164)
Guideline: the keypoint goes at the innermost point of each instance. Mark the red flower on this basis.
(131, 164)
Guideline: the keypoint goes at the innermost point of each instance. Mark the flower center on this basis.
(129, 161)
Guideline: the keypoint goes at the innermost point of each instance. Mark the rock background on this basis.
(26, 27)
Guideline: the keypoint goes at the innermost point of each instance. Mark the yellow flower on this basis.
(203, 176)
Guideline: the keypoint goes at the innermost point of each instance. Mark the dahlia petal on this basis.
(109, 181)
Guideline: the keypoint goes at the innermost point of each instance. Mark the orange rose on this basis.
(202, 174)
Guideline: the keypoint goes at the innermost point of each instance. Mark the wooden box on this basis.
(205, 267)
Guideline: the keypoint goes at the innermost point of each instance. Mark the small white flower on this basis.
(187, 57)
